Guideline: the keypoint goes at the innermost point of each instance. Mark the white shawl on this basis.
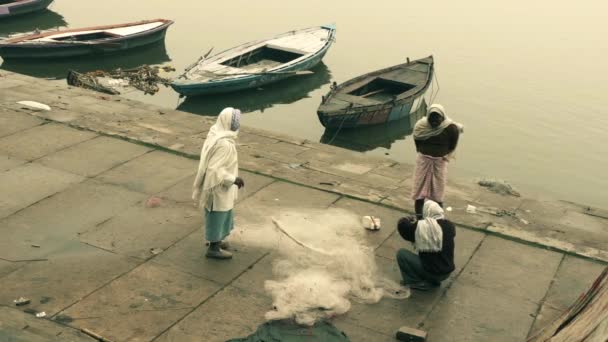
(423, 129)
(429, 236)
(218, 165)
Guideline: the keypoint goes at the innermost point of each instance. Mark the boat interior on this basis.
(382, 89)
(264, 57)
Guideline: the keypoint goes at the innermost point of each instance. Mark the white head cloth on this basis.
(210, 174)
(423, 129)
(429, 236)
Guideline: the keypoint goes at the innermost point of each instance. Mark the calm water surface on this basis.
(528, 79)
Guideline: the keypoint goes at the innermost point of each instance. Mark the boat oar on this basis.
(191, 66)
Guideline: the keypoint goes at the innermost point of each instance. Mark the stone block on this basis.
(94, 156)
(188, 255)
(141, 304)
(63, 279)
(12, 122)
(143, 232)
(19, 326)
(151, 173)
(182, 191)
(388, 219)
(231, 313)
(51, 223)
(8, 162)
(573, 278)
(42, 140)
(512, 269)
(469, 313)
(24, 185)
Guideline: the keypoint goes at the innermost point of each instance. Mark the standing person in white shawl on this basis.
(433, 238)
(436, 137)
(216, 183)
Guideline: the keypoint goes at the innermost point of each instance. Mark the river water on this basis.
(528, 79)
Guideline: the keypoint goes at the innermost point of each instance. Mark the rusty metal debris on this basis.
(144, 78)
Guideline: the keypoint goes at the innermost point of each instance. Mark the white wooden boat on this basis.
(85, 41)
(257, 63)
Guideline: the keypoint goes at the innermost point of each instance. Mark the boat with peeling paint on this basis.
(257, 63)
(99, 40)
(378, 97)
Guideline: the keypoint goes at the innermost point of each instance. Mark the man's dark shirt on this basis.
(439, 145)
(439, 263)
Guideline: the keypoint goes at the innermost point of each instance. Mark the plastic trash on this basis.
(371, 222)
(41, 314)
(448, 208)
(21, 301)
(35, 105)
(471, 209)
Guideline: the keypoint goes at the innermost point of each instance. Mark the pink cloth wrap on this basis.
(430, 178)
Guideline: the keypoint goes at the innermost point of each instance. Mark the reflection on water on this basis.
(58, 68)
(369, 138)
(41, 20)
(287, 91)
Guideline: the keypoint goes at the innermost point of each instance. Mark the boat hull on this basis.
(193, 88)
(23, 7)
(241, 83)
(342, 107)
(375, 115)
(63, 50)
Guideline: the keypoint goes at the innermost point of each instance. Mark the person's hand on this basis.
(239, 182)
(407, 219)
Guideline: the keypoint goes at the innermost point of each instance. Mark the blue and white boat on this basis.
(255, 64)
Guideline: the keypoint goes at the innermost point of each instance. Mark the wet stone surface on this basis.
(79, 241)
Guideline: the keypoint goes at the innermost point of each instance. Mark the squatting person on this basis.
(216, 183)
(433, 238)
(436, 137)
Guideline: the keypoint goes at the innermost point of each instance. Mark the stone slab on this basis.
(388, 219)
(7, 267)
(51, 223)
(232, 313)
(22, 186)
(42, 140)
(151, 173)
(17, 326)
(8, 162)
(469, 313)
(281, 195)
(62, 280)
(141, 304)
(94, 156)
(11, 122)
(388, 315)
(143, 232)
(545, 316)
(358, 333)
(573, 278)
(182, 191)
(512, 269)
(188, 255)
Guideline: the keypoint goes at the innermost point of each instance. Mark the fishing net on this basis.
(324, 263)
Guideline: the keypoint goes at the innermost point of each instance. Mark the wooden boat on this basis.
(378, 97)
(257, 63)
(85, 41)
(250, 100)
(11, 8)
